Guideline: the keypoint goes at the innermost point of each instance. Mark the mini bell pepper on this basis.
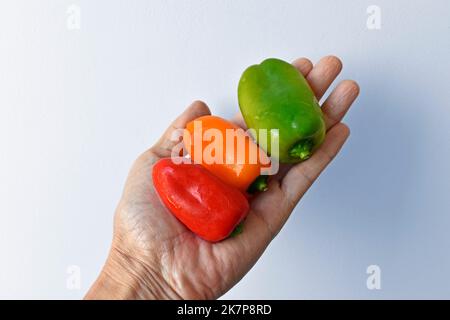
(275, 95)
(202, 202)
(228, 152)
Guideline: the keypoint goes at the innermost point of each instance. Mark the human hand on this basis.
(154, 256)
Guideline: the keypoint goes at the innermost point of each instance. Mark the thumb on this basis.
(163, 148)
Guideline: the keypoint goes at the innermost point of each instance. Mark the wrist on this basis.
(126, 277)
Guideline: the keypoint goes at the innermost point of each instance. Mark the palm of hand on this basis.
(182, 264)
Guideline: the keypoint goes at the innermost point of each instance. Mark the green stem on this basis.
(259, 185)
(302, 150)
(238, 230)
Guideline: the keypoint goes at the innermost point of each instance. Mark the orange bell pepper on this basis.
(228, 152)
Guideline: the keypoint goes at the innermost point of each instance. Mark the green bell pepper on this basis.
(275, 95)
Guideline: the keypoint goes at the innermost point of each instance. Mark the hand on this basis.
(153, 256)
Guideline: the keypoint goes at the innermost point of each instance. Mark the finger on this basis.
(303, 65)
(300, 177)
(166, 143)
(323, 74)
(339, 101)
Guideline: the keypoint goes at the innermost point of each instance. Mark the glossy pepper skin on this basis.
(275, 95)
(236, 167)
(202, 202)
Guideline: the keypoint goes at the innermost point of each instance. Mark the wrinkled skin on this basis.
(153, 256)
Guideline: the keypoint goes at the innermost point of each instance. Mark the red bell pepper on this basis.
(201, 201)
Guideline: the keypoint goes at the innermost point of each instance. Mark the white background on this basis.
(77, 106)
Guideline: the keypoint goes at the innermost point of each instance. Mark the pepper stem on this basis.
(259, 185)
(302, 150)
(238, 230)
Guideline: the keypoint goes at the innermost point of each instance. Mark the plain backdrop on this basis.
(78, 105)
